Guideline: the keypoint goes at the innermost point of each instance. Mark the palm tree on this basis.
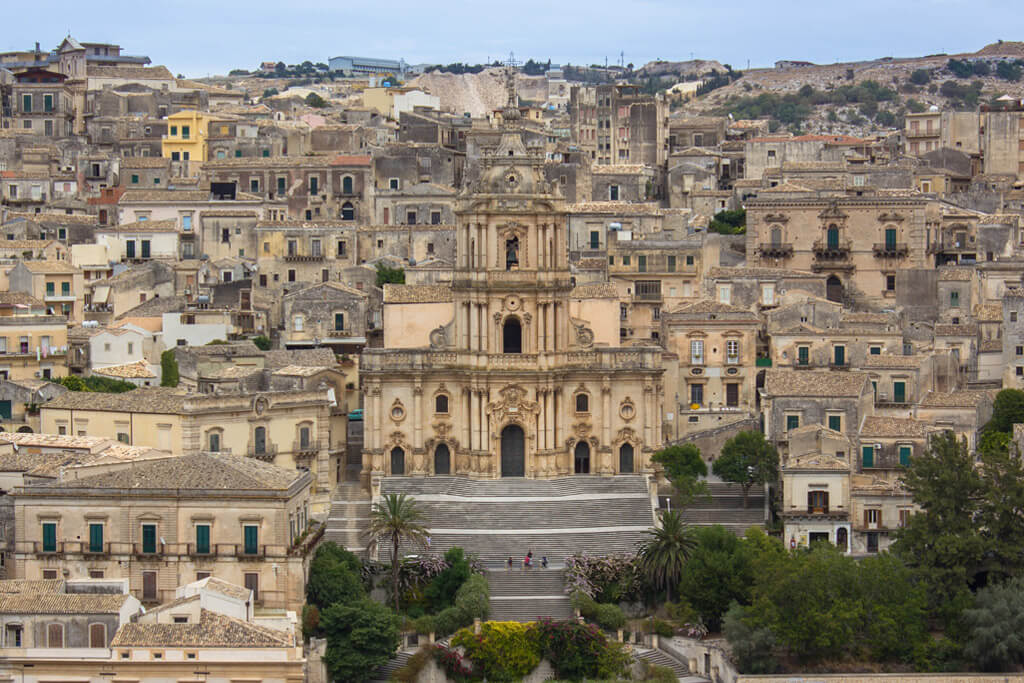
(397, 518)
(667, 549)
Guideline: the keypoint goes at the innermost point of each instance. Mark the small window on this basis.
(905, 453)
(582, 403)
(55, 635)
(441, 404)
(49, 537)
(792, 422)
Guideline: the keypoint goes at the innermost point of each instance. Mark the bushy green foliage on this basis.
(1009, 71)
(361, 636)
(440, 592)
(94, 383)
(609, 617)
(314, 100)
(334, 577)
(720, 571)
(388, 275)
(747, 459)
(819, 604)
(449, 621)
(995, 627)
(683, 465)
(269, 92)
(1007, 410)
(504, 650)
(920, 76)
(262, 342)
(794, 108)
(580, 651)
(168, 369)
(729, 222)
(410, 671)
(310, 621)
(752, 647)
(962, 95)
(473, 598)
(656, 673)
(960, 68)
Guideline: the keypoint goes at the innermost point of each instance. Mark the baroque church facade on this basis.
(509, 371)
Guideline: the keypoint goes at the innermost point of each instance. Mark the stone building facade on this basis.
(495, 376)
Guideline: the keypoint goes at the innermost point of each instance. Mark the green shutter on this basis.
(905, 452)
(868, 456)
(339, 321)
(49, 537)
(792, 422)
(803, 354)
(95, 538)
(890, 239)
(50, 289)
(899, 392)
(135, 179)
(835, 423)
(5, 410)
(65, 288)
(203, 538)
(252, 540)
(840, 355)
(149, 538)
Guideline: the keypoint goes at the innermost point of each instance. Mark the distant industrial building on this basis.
(368, 65)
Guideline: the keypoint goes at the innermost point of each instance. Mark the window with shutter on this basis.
(95, 538)
(203, 539)
(252, 536)
(868, 456)
(49, 537)
(149, 538)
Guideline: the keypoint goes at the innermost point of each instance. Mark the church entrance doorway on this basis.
(626, 458)
(513, 456)
(582, 458)
(442, 460)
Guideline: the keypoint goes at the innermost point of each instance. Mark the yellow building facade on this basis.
(187, 133)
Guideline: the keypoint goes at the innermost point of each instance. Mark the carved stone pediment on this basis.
(512, 406)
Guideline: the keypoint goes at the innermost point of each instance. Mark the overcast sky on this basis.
(199, 37)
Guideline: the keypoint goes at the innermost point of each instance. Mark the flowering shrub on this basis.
(456, 667)
(504, 650)
(579, 651)
(606, 579)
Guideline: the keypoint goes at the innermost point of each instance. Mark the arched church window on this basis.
(582, 403)
(512, 336)
(441, 404)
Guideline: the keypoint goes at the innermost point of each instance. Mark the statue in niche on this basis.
(512, 254)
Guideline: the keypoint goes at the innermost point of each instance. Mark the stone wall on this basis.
(702, 655)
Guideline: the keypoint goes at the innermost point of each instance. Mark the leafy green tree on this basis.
(72, 383)
(729, 222)
(388, 275)
(753, 647)
(314, 100)
(942, 542)
(1007, 410)
(396, 518)
(668, 547)
(1008, 71)
(683, 465)
(720, 571)
(361, 637)
(995, 627)
(269, 92)
(334, 577)
(920, 77)
(1001, 507)
(747, 459)
(960, 68)
(440, 592)
(168, 369)
(262, 342)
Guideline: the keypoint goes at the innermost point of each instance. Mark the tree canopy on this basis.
(361, 637)
(683, 465)
(747, 459)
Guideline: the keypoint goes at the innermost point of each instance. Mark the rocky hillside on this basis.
(832, 98)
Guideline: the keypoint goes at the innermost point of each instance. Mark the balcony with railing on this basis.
(779, 250)
(266, 454)
(308, 448)
(299, 258)
(832, 250)
(891, 249)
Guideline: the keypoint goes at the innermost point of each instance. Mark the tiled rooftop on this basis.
(954, 399)
(894, 428)
(137, 370)
(213, 630)
(194, 472)
(822, 384)
(61, 603)
(417, 294)
(141, 400)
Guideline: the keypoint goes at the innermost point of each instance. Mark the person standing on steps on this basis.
(544, 562)
(510, 563)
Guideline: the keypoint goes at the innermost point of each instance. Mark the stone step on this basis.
(662, 658)
(531, 608)
(392, 665)
(510, 486)
(520, 582)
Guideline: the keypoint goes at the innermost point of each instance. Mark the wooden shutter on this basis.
(55, 635)
(97, 635)
(149, 586)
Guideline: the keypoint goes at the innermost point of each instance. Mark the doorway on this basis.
(842, 541)
(442, 460)
(581, 458)
(834, 289)
(513, 456)
(512, 336)
(626, 458)
(397, 461)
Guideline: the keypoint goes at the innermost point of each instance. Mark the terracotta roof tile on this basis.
(814, 383)
(213, 630)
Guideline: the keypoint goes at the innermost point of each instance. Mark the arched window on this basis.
(346, 185)
(776, 237)
(582, 403)
(304, 437)
(441, 404)
(832, 237)
(512, 336)
(626, 458)
(581, 459)
(397, 461)
(259, 439)
(442, 460)
(214, 442)
(348, 212)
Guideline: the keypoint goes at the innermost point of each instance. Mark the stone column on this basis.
(417, 416)
(606, 412)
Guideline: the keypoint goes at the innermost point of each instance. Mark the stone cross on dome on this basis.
(511, 112)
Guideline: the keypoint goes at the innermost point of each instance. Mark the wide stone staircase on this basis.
(400, 659)
(725, 507)
(528, 594)
(498, 519)
(349, 516)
